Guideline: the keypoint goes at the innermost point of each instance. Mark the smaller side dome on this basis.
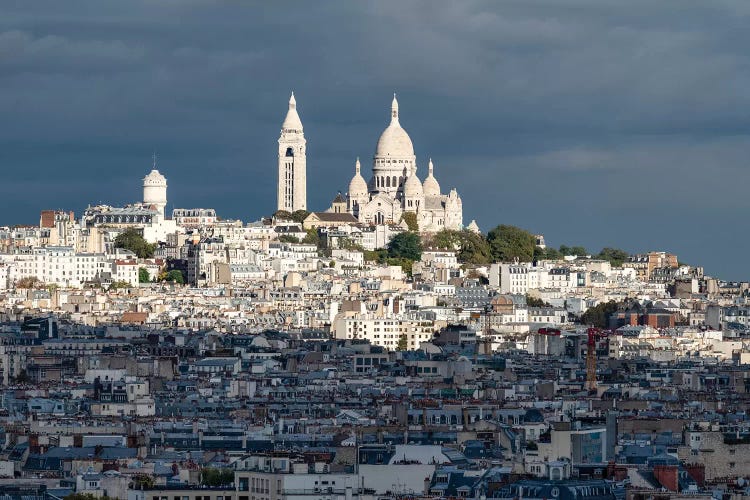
(413, 187)
(431, 186)
(358, 185)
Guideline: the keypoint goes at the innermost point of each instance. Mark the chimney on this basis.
(667, 476)
(698, 473)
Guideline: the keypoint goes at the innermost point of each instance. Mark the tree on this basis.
(406, 246)
(29, 282)
(577, 251)
(288, 238)
(143, 481)
(118, 285)
(211, 476)
(175, 276)
(282, 215)
(547, 253)
(403, 343)
(143, 275)
(473, 248)
(312, 237)
(300, 215)
(535, 302)
(445, 239)
(615, 256)
(378, 256)
(508, 243)
(599, 314)
(411, 221)
(131, 239)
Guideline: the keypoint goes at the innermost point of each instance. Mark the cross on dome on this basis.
(394, 108)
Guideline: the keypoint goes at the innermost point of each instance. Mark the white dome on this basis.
(431, 186)
(292, 121)
(394, 141)
(154, 178)
(358, 185)
(412, 187)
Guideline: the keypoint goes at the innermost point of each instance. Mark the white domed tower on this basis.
(358, 194)
(413, 193)
(431, 186)
(155, 190)
(393, 154)
(292, 183)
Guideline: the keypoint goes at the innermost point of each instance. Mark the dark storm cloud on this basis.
(595, 122)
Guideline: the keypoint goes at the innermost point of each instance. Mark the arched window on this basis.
(377, 181)
(387, 182)
(289, 152)
(394, 181)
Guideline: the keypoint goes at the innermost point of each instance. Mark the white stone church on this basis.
(393, 189)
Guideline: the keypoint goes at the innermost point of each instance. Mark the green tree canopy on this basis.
(411, 221)
(445, 239)
(282, 215)
(473, 248)
(403, 343)
(143, 275)
(615, 256)
(117, 285)
(509, 242)
(470, 247)
(288, 238)
(312, 237)
(132, 239)
(577, 251)
(535, 302)
(405, 245)
(548, 253)
(175, 276)
(599, 314)
(211, 476)
(299, 215)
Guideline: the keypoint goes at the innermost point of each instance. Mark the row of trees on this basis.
(507, 243)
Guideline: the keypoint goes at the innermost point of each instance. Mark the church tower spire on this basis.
(292, 181)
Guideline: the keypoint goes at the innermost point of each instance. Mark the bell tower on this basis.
(292, 182)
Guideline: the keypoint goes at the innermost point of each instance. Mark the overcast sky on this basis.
(594, 122)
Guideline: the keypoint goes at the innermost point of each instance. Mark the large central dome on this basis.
(394, 142)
